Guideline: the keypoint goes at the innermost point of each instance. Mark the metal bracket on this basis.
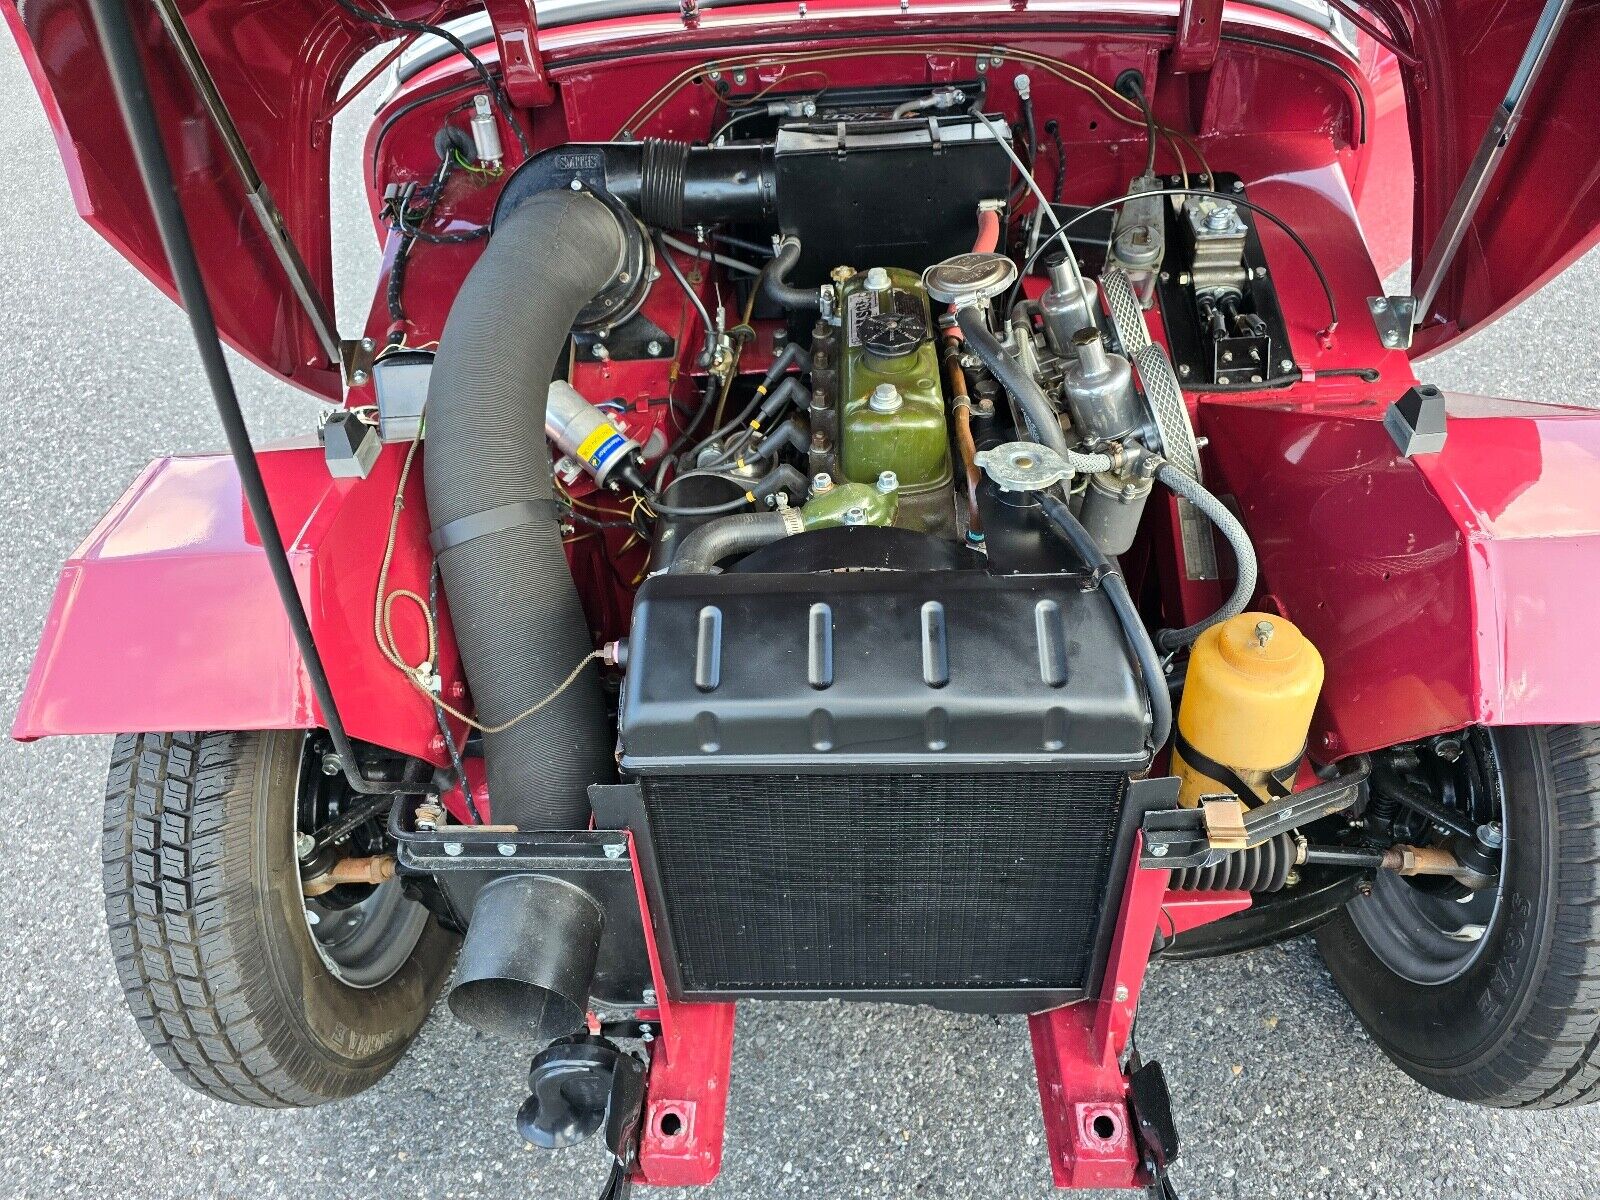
(1182, 837)
(516, 33)
(1199, 36)
(1395, 317)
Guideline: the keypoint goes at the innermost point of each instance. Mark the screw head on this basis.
(507, 849)
(614, 850)
(1183, 369)
(368, 344)
(1380, 304)
(1391, 338)
(655, 348)
(576, 185)
(1158, 851)
(358, 377)
(1121, 994)
(1286, 365)
(453, 849)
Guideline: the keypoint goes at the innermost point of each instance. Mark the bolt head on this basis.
(1391, 338)
(1286, 365)
(885, 399)
(1158, 851)
(855, 515)
(1381, 304)
(615, 850)
(368, 344)
(576, 185)
(453, 849)
(331, 765)
(888, 482)
(655, 348)
(358, 378)
(507, 849)
(1121, 994)
(304, 843)
(821, 482)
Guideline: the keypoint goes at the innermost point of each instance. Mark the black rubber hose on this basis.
(1071, 531)
(702, 550)
(518, 621)
(1024, 389)
(776, 279)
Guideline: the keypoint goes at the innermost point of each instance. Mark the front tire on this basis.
(1513, 1019)
(210, 932)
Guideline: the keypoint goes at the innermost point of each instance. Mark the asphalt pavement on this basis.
(1278, 1091)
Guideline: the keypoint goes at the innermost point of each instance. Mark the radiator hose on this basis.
(518, 621)
(709, 544)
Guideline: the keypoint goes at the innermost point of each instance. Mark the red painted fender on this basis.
(1445, 590)
(166, 618)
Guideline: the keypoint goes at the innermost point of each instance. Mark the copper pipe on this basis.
(961, 408)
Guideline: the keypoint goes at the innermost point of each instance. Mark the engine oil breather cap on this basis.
(969, 278)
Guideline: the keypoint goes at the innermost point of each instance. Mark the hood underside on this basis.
(279, 67)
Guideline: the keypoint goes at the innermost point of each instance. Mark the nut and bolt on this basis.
(655, 348)
(1492, 835)
(885, 399)
(601, 353)
(615, 850)
(1158, 851)
(821, 482)
(1286, 365)
(739, 77)
(1264, 632)
(453, 849)
(1220, 217)
(855, 515)
(649, 997)
(331, 765)
(507, 849)
(304, 844)
(888, 482)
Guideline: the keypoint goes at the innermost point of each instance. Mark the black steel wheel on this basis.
(246, 989)
(1491, 995)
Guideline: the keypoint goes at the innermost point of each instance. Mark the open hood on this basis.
(279, 66)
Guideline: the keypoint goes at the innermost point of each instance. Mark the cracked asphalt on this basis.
(1277, 1090)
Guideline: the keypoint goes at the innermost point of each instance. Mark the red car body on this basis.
(1439, 588)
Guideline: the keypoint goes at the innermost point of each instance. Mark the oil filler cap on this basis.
(969, 278)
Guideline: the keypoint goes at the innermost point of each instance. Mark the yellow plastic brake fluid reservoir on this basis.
(1247, 701)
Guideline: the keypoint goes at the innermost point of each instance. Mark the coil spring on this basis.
(1263, 868)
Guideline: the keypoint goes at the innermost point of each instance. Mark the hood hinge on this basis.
(516, 33)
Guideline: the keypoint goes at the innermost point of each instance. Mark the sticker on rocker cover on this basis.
(862, 306)
(858, 308)
(600, 445)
